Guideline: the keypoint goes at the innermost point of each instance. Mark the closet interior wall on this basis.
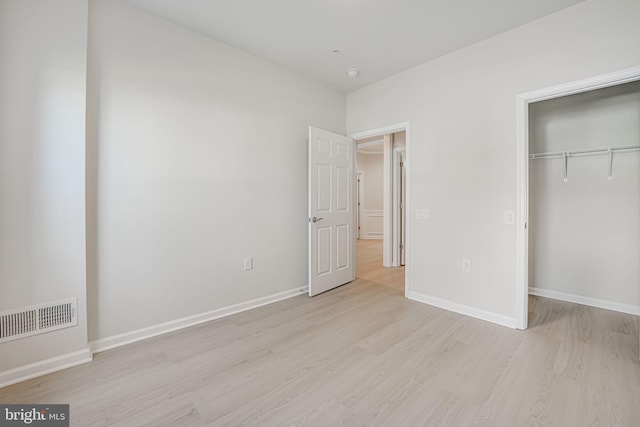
(584, 234)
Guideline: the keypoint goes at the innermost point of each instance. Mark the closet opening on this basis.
(579, 193)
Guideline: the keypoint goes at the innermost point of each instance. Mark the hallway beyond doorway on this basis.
(370, 266)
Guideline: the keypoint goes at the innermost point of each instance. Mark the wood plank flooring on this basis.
(362, 354)
(370, 266)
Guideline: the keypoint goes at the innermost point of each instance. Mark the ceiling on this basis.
(373, 145)
(378, 37)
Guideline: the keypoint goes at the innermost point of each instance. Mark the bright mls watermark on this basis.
(34, 415)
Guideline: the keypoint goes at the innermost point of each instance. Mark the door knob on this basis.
(314, 219)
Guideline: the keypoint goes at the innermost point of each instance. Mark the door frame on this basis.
(522, 169)
(399, 213)
(359, 200)
(388, 198)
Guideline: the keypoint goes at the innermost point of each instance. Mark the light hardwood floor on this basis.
(362, 354)
(370, 266)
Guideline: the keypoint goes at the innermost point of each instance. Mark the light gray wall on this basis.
(42, 189)
(371, 165)
(585, 233)
(463, 141)
(198, 159)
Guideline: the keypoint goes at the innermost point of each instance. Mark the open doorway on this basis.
(382, 206)
(370, 162)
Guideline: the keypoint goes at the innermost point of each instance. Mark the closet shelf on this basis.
(564, 155)
(586, 152)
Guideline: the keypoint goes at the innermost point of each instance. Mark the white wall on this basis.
(198, 156)
(371, 165)
(372, 210)
(463, 142)
(42, 154)
(584, 235)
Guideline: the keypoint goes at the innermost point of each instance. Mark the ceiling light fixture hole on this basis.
(353, 72)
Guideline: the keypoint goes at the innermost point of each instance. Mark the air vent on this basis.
(38, 319)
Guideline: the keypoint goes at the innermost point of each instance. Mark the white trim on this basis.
(387, 202)
(174, 325)
(409, 221)
(44, 367)
(366, 231)
(371, 153)
(592, 302)
(466, 310)
(522, 213)
(360, 200)
(592, 83)
(398, 127)
(396, 179)
(522, 169)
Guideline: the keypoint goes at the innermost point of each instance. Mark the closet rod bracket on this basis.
(564, 155)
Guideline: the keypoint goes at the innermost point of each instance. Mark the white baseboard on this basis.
(185, 322)
(463, 309)
(579, 299)
(44, 367)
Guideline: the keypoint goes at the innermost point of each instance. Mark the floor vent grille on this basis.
(38, 319)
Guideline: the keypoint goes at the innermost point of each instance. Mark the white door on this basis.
(331, 211)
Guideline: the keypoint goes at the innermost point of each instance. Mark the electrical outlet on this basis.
(466, 265)
(248, 263)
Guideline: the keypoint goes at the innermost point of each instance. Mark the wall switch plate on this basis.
(509, 217)
(248, 263)
(466, 265)
(423, 214)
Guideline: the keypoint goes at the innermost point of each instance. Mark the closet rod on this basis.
(564, 155)
(587, 152)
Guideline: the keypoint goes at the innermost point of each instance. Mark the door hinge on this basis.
(401, 246)
(401, 164)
